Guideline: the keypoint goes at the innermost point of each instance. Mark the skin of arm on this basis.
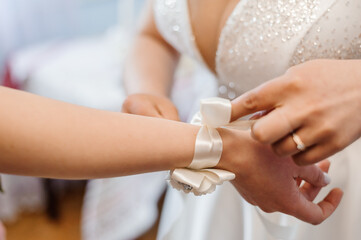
(152, 61)
(48, 138)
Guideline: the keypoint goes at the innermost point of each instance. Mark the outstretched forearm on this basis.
(48, 138)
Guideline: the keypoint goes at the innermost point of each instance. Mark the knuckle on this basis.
(327, 129)
(337, 144)
(132, 100)
(250, 101)
(295, 80)
(127, 104)
(326, 132)
(136, 104)
(278, 150)
(259, 135)
(296, 84)
(314, 110)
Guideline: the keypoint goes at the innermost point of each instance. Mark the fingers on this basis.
(308, 190)
(314, 175)
(314, 154)
(324, 165)
(272, 127)
(317, 213)
(265, 97)
(150, 105)
(287, 145)
(318, 146)
(145, 109)
(312, 213)
(168, 111)
(260, 114)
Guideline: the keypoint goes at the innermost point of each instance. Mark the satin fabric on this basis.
(214, 112)
(200, 178)
(247, 57)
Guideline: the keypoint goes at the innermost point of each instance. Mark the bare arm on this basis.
(149, 72)
(152, 61)
(48, 138)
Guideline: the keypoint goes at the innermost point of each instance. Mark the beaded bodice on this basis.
(263, 38)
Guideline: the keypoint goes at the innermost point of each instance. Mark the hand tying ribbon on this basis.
(200, 177)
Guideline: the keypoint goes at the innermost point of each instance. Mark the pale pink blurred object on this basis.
(2, 232)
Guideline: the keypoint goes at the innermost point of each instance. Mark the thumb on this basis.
(316, 213)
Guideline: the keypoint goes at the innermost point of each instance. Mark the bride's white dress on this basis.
(260, 41)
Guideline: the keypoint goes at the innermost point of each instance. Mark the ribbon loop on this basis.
(198, 178)
(199, 182)
(215, 112)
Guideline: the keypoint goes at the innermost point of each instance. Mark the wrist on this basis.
(187, 137)
(233, 147)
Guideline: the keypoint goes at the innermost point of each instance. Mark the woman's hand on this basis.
(319, 101)
(151, 106)
(272, 182)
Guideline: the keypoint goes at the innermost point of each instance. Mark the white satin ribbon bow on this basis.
(200, 177)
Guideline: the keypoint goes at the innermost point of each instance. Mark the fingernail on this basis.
(326, 178)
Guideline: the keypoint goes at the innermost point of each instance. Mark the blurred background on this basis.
(24, 23)
(73, 50)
